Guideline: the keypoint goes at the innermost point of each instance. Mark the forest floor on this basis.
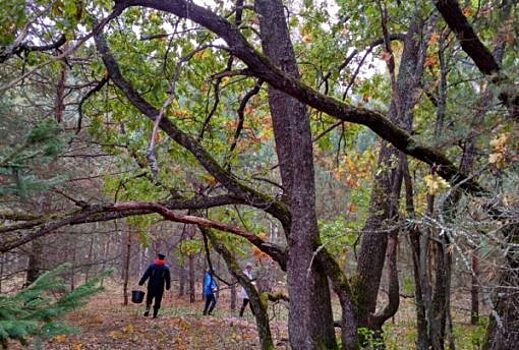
(104, 323)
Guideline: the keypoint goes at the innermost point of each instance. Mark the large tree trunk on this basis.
(310, 321)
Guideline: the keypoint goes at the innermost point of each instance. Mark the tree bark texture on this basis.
(34, 264)
(474, 290)
(503, 329)
(182, 280)
(383, 207)
(191, 232)
(191, 279)
(310, 321)
(126, 270)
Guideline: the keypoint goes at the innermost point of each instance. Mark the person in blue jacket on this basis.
(159, 277)
(209, 289)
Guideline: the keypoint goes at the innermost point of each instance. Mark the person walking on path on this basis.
(243, 292)
(209, 289)
(159, 277)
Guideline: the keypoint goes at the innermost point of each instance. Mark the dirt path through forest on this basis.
(105, 323)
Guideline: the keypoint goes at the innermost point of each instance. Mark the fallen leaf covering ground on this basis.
(105, 324)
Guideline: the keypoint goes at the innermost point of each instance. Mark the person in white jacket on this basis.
(243, 292)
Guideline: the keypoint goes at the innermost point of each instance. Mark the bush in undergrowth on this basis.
(34, 311)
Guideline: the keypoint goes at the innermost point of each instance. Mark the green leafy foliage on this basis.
(43, 143)
(12, 17)
(35, 311)
(339, 236)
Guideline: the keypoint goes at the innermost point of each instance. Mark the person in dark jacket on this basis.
(209, 288)
(158, 274)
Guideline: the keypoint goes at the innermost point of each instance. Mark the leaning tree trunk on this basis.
(310, 323)
(258, 304)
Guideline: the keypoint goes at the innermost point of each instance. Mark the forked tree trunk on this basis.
(385, 195)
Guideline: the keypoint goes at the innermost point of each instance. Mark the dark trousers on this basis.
(157, 295)
(210, 303)
(244, 305)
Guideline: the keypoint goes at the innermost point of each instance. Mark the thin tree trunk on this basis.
(233, 297)
(414, 235)
(192, 292)
(34, 264)
(73, 267)
(182, 281)
(91, 258)
(474, 290)
(106, 257)
(2, 264)
(127, 266)
(422, 342)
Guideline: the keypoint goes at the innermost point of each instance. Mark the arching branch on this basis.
(261, 67)
(102, 213)
(247, 194)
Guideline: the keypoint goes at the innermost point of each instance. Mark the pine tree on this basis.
(35, 312)
(42, 143)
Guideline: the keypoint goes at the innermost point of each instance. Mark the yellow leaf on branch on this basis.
(435, 184)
